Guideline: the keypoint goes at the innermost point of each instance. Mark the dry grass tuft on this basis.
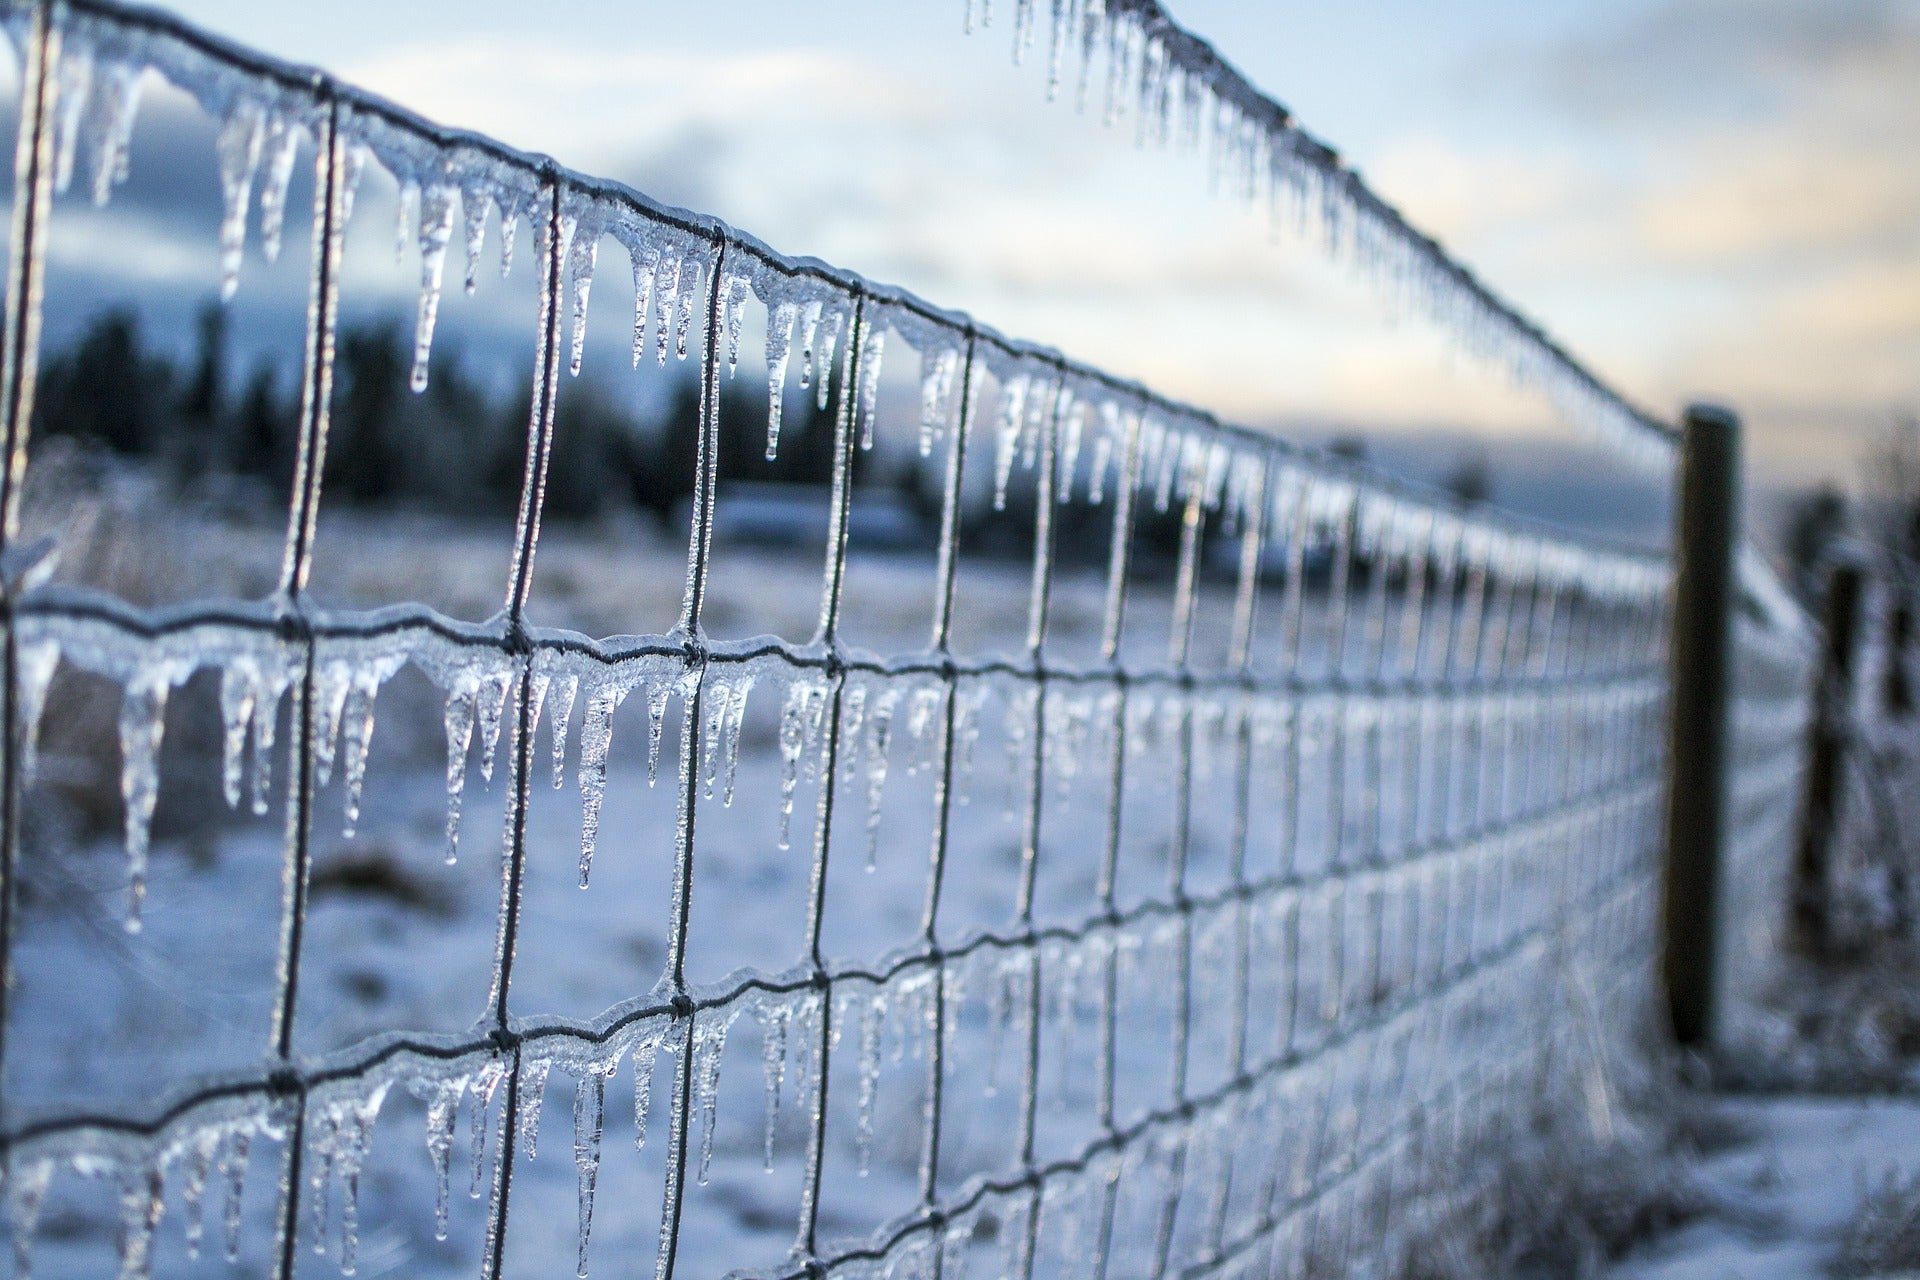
(1884, 1237)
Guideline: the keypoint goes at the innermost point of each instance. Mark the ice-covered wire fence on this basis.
(1420, 749)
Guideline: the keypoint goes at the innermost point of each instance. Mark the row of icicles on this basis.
(481, 688)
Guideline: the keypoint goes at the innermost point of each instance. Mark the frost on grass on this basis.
(1883, 1238)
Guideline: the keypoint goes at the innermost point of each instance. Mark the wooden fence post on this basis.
(1812, 906)
(1707, 522)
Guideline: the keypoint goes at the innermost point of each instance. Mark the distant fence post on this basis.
(1707, 522)
(1897, 692)
(1812, 906)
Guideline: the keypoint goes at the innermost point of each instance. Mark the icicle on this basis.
(241, 136)
(1103, 448)
(775, 1017)
(1000, 1001)
(509, 231)
(142, 1201)
(871, 352)
(737, 290)
(715, 699)
(1067, 963)
(810, 316)
(878, 742)
(794, 737)
(442, 1110)
(779, 350)
(923, 725)
(490, 707)
(589, 1099)
(266, 722)
(853, 719)
(26, 1192)
(1013, 401)
(239, 688)
(825, 337)
(75, 87)
(562, 691)
(323, 1141)
(116, 102)
(406, 220)
(358, 1142)
(200, 1154)
(873, 1015)
(645, 1051)
(730, 744)
(1022, 30)
(690, 292)
(480, 1090)
(436, 232)
(37, 662)
(459, 725)
(666, 292)
(656, 728)
(937, 375)
(233, 1168)
(356, 165)
(596, 740)
(330, 683)
(533, 1092)
(709, 1045)
(645, 266)
(357, 729)
(1015, 1247)
(966, 711)
(1074, 423)
(1059, 34)
(143, 722)
(282, 143)
(582, 253)
(473, 212)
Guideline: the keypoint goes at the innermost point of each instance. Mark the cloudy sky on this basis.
(1700, 197)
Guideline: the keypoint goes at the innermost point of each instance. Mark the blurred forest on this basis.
(459, 450)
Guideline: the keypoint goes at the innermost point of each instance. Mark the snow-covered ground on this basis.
(1790, 1188)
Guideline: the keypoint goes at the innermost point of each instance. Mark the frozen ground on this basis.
(1791, 1188)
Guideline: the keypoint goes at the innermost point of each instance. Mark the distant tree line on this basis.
(459, 448)
(454, 447)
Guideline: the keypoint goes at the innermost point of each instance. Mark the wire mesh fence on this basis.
(1251, 848)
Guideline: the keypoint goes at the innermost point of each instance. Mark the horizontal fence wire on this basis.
(1367, 874)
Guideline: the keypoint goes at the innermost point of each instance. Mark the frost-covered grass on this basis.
(1813, 1188)
(1607, 1160)
(1883, 1239)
